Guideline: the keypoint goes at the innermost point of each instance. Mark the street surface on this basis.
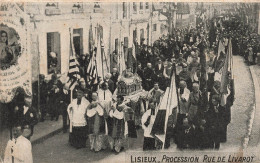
(57, 149)
(243, 105)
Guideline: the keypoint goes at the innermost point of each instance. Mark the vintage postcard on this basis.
(129, 81)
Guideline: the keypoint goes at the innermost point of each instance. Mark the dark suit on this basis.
(185, 137)
(29, 118)
(53, 102)
(43, 98)
(149, 77)
(214, 123)
(114, 78)
(64, 101)
(111, 85)
(159, 74)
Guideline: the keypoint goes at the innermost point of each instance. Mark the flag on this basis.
(99, 60)
(227, 77)
(91, 40)
(121, 60)
(219, 61)
(134, 51)
(73, 73)
(130, 59)
(134, 58)
(167, 106)
(221, 48)
(92, 70)
(104, 59)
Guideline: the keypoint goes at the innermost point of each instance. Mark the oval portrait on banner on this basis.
(10, 47)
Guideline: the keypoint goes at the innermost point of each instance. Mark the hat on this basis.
(195, 84)
(21, 92)
(183, 83)
(108, 76)
(184, 65)
(54, 76)
(41, 76)
(80, 91)
(216, 97)
(149, 64)
(53, 54)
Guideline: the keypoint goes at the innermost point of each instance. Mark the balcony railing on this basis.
(77, 10)
(98, 10)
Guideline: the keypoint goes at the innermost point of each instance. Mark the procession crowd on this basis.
(201, 119)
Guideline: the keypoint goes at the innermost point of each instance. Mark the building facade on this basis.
(119, 25)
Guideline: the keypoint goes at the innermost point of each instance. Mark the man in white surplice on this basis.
(78, 127)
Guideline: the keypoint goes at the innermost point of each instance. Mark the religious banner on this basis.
(14, 53)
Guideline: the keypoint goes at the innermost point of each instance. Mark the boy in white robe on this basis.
(19, 148)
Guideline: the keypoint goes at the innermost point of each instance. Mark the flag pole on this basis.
(177, 92)
(71, 92)
(102, 51)
(11, 137)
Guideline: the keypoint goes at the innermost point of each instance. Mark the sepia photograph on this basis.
(129, 81)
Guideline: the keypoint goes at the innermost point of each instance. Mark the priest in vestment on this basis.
(105, 96)
(123, 125)
(78, 127)
(105, 99)
(96, 123)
